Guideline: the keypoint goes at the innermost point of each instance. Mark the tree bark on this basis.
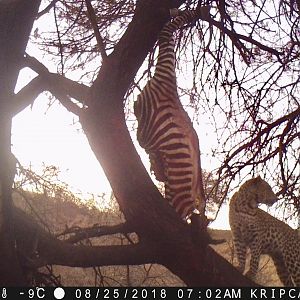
(16, 20)
(144, 208)
(183, 259)
(167, 238)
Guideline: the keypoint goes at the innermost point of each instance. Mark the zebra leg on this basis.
(199, 232)
(158, 165)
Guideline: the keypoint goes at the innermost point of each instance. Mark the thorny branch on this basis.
(242, 65)
(61, 50)
(291, 118)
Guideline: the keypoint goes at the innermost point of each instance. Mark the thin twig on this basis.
(46, 9)
(59, 42)
(93, 20)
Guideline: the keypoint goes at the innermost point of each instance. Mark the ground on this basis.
(58, 215)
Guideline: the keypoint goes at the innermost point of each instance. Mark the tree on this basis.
(228, 57)
(12, 14)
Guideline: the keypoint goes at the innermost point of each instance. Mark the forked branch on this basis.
(61, 87)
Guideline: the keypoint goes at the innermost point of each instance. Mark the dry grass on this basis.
(57, 215)
(266, 276)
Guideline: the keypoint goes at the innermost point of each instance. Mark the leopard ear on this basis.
(257, 180)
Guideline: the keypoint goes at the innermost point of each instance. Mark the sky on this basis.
(51, 135)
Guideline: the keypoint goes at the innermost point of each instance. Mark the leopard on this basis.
(262, 233)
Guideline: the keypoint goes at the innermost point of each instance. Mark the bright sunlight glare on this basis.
(50, 135)
(44, 135)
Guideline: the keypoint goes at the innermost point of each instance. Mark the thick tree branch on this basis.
(135, 44)
(61, 87)
(31, 238)
(16, 20)
(72, 88)
(80, 234)
(27, 95)
(39, 248)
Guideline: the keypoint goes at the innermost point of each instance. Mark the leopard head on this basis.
(261, 191)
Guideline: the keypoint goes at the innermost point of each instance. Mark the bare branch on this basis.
(61, 87)
(46, 9)
(59, 41)
(27, 95)
(95, 231)
(236, 39)
(53, 251)
(72, 88)
(93, 20)
(266, 130)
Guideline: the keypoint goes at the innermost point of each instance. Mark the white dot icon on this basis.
(59, 293)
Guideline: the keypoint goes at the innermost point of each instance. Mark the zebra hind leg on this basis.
(199, 233)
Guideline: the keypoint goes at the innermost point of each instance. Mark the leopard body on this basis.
(264, 234)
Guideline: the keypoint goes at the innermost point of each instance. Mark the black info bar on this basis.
(160, 293)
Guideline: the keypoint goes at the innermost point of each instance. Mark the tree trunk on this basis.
(148, 214)
(144, 208)
(16, 20)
